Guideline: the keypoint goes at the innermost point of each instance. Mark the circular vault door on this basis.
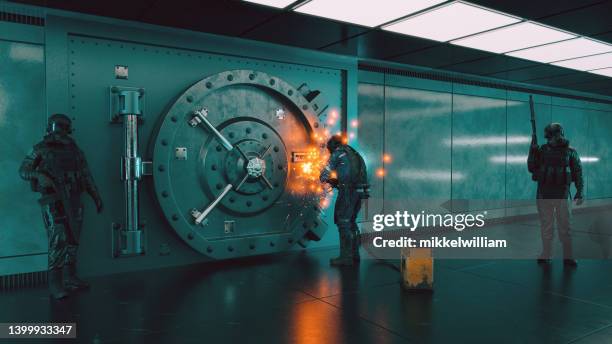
(226, 155)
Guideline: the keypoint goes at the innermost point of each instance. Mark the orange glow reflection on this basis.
(387, 158)
(311, 321)
(381, 172)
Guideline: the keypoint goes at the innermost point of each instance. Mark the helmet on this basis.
(554, 130)
(59, 124)
(334, 142)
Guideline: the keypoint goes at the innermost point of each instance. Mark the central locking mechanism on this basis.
(256, 167)
(244, 167)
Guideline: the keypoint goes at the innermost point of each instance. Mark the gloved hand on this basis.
(44, 180)
(578, 198)
(99, 204)
(333, 182)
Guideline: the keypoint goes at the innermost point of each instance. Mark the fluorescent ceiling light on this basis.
(452, 21)
(514, 37)
(588, 63)
(605, 71)
(577, 47)
(365, 12)
(273, 3)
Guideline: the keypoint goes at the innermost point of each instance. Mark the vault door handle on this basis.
(201, 215)
(200, 116)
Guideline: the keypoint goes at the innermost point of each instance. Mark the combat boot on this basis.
(544, 257)
(71, 281)
(346, 253)
(568, 255)
(56, 285)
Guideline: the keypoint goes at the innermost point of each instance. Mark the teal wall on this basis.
(469, 144)
(418, 122)
(80, 54)
(23, 241)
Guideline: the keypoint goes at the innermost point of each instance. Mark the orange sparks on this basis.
(306, 170)
(307, 167)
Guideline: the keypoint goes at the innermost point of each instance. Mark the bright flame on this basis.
(307, 167)
(305, 173)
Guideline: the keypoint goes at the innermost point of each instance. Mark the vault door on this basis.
(235, 159)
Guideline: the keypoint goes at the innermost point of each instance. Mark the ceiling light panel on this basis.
(605, 71)
(365, 12)
(451, 21)
(588, 63)
(514, 37)
(573, 48)
(273, 3)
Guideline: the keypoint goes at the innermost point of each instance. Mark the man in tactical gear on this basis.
(555, 165)
(57, 169)
(346, 171)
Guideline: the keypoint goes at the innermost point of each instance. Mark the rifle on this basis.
(534, 138)
(62, 196)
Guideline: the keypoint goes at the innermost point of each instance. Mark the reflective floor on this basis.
(298, 298)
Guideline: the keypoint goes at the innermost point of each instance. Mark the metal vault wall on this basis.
(164, 73)
(458, 147)
(411, 118)
(80, 55)
(23, 241)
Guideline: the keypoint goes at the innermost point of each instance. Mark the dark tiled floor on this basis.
(299, 298)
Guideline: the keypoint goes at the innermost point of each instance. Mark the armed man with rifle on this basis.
(346, 171)
(555, 165)
(57, 169)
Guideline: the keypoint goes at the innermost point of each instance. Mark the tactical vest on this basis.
(62, 162)
(358, 171)
(554, 166)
